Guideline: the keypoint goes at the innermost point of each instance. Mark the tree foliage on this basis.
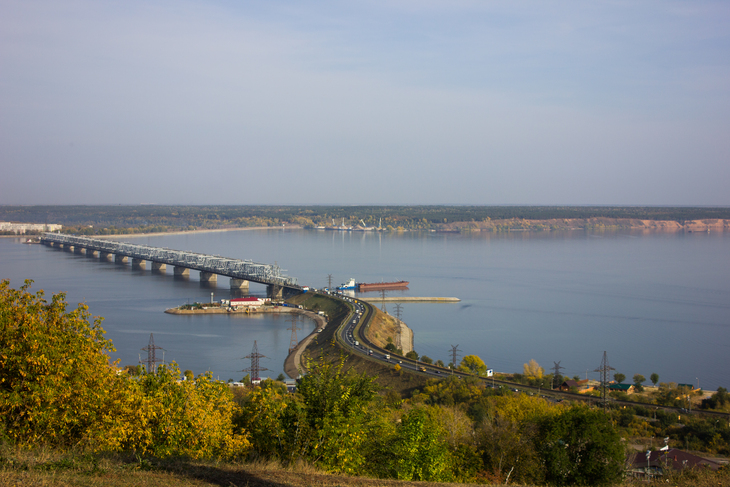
(57, 387)
(55, 374)
(473, 365)
(580, 447)
(533, 370)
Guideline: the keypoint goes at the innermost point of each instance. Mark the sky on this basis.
(393, 102)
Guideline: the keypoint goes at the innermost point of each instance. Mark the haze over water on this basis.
(656, 303)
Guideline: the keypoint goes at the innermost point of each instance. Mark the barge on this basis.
(380, 286)
(372, 286)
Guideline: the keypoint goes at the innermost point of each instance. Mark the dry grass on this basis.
(43, 467)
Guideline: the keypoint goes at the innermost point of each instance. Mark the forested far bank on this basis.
(110, 220)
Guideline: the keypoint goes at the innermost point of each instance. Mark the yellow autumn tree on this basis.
(533, 370)
(55, 374)
(58, 387)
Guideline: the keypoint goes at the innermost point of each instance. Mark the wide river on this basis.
(654, 302)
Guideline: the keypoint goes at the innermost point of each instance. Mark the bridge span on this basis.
(241, 272)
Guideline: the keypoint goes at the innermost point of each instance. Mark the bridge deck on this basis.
(236, 268)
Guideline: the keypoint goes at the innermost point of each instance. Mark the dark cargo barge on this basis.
(380, 286)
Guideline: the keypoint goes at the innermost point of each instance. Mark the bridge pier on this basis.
(274, 292)
(92, 253)
(181, 272)
(140, 264)
(208, 277)
(159, 267)
(106, 256)
(79, 250)
(240, 284)
(68, 248)
(120, 259)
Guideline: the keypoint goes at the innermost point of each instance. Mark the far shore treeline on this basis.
(100, 220)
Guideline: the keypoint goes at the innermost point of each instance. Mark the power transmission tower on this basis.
(604, 369)
(454, 354)
(294, 341)
(556, 373)
(329, 281)
(152, 360)
(255, 368)
(382, 296)
(398, 340)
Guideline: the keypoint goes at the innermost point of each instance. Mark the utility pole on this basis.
(255, 368)
(604, 369)
(454, 350)
(152, 360)
(556, 373)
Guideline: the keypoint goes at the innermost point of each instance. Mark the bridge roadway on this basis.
(210, 266)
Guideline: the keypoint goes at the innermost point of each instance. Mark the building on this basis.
(656, 463)
(249, 302)
(21, 228)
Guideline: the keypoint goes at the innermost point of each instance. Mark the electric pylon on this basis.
(382, 297)
(454, 350)
(255, 368)
(398, 340)
(604, 370)
(329, 281)
(152, 360)
(556, 373)
(293, 342)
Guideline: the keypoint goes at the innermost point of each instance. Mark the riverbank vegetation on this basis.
(69, 415)
(112, 220)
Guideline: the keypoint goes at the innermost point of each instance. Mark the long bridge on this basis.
(241, 272)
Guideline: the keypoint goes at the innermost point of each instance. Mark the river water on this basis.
(654, 302)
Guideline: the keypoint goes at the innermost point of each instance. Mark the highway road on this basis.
(352, 335)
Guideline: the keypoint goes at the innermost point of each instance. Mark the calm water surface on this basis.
(656, 303)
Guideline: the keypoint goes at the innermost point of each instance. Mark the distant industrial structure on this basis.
(22, 228)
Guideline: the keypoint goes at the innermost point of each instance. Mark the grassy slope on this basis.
(325, 344)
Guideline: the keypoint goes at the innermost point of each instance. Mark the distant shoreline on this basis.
(537, 227)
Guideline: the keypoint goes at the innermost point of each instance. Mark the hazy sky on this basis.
(367, 102)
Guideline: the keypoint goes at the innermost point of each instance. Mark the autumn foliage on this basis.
(58, 387)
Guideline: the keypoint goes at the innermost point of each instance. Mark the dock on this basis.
(411, 299)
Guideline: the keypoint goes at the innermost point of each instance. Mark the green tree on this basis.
(338, 414)
(654, 378)
(619, 377)
(419, 449)
(638, 382)
(426, 360)
(473, 365)
(580, 447)
(412, 355)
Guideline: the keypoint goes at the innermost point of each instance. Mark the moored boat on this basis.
(380, 286)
